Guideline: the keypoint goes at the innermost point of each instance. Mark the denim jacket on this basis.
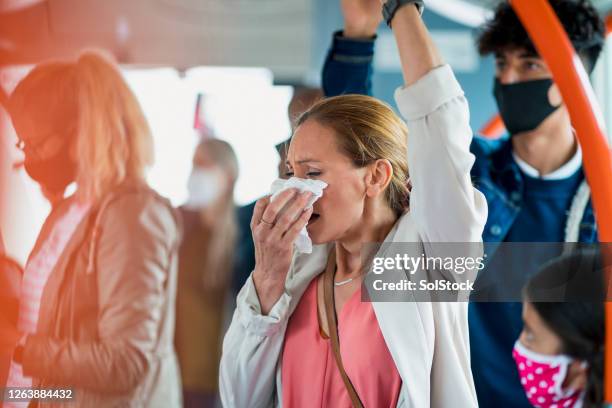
(348, 70)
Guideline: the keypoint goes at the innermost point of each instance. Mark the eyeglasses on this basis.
(45, 144)
(29, 148)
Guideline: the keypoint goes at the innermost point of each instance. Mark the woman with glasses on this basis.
(96, 312)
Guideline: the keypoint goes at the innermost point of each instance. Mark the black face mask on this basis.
(524, 106)
(55, 173)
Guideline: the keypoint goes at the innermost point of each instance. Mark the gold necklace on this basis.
(349, 280)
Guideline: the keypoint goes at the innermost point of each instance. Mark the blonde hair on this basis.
(367, 130)
(89, 99)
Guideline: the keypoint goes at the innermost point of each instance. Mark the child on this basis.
(559, 353)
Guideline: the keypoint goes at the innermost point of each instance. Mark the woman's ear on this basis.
(576, 378)
(380, 174)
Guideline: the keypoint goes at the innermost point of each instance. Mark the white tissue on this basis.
(303, 243)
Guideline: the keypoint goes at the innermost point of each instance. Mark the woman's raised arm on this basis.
(443, 201)
(418, 53)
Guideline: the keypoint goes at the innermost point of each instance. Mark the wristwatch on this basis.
(391, 6)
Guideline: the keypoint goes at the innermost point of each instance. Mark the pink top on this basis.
(35, 276)
(309, 374)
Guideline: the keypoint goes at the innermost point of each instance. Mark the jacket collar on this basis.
(56, 277)
(504, 169)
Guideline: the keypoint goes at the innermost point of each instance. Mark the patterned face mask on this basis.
(542, 377)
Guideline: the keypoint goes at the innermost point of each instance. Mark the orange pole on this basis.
(609, 24)
(494, 128)
(553, 45)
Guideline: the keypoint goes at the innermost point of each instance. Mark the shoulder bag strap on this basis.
(330, 310)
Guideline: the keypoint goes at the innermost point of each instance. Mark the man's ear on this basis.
(379, 176)
(554, 95)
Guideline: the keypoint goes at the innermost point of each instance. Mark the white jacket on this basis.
(428, 341)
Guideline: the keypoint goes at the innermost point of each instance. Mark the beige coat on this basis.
(429, 341)
(106, 319)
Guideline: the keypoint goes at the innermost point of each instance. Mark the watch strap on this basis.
(391, 6)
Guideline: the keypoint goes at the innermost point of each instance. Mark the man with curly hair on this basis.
(532, 179)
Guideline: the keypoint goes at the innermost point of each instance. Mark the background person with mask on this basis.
(539, 168)
(533, 180)
(96, 311)
(560, 352)
(205, 269)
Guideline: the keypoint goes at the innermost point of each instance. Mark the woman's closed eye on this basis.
(290, 173)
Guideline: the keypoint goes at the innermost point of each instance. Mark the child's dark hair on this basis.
(581, 21)
(580, 321)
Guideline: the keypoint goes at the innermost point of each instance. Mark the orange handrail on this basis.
(494, 128)
(553, 45)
